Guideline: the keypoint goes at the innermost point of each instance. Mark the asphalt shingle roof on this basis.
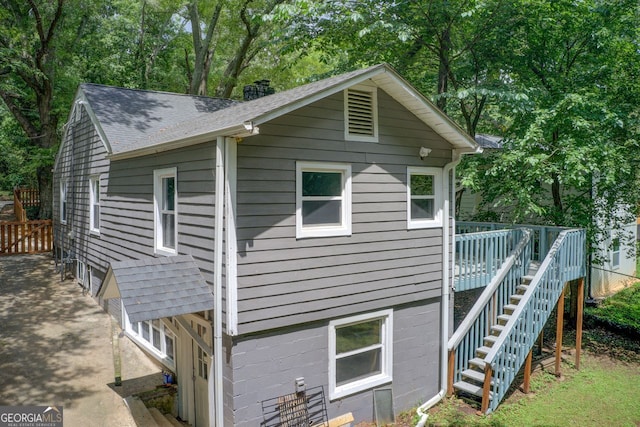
(131, 114)
(153, 288)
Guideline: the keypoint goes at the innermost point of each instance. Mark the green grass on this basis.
(621, 310)
(602, 393)
(6, 195)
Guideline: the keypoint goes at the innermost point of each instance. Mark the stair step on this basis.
(173, 421)
(468, 388)
(490, 340)
(497, 329)
(522, 288)
(527, 278)
(139, 412)
(515, 299)
(477, 362)
(504, 318)
(510, 308)
(159, 418)
(473, 375)
(483, 351)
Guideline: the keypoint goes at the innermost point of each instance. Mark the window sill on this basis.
(164, 252)
(359, 386)
(322, 232)
(415, 225)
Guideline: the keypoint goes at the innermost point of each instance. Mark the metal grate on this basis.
(304, 409)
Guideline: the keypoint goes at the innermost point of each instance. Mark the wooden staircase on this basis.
(473, 377)
(495, 339)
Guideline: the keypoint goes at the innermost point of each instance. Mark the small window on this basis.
(323, 199)
(81, 272)
(424, 201)
(361, 113)
(203, 367)
(94, 204)
(156, 337)
(360, 353)
(615, 253)
(165, 206)
(64, 186)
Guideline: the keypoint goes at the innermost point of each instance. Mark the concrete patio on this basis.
(56, 348)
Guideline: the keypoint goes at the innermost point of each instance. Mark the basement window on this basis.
(361, 113)
(360, 353)
(615, 253)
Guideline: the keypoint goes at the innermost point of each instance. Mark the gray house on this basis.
(262, 248)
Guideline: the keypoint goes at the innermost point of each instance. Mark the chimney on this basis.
(258, 89)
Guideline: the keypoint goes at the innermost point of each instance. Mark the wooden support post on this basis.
(451, 371)
(540, 342)
(559, 328)
(579, 320)
(486, 388)
(527, 373)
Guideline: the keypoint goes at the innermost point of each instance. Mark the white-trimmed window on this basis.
(361, 113)
(94, 204)
(166, 211)
(360, 353)
(64, 186)
(323, 199)
(156, 337)
(81, 272)
(424, 197)
(615, 253)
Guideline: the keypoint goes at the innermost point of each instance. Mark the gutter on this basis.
(217, 418)
(448, 266)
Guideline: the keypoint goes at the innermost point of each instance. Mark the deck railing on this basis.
(476, 325)
(564, 262)
(480, 255)
(543, 235)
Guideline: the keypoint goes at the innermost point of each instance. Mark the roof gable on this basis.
(135, 122)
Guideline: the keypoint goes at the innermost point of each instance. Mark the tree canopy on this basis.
(557, 80)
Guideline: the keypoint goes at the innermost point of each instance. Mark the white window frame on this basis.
(437, 197)
(64, 189)
(344, 229)
(615, 254)
(374, 106)
(158, 176)
(160, 355)
(81, 272)
(386, 364)
(94, 183)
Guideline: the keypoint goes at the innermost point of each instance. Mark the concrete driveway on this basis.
(56, 348)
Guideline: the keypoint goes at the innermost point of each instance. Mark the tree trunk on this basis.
(443, 70)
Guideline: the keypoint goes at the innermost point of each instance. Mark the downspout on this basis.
(447, 285)
(217, 418)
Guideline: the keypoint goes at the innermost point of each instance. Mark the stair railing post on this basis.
(559, 329)
(579, 320)
(486, 388)
(451, 371)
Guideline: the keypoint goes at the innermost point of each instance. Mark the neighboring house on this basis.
(301, 237)
(618, 255)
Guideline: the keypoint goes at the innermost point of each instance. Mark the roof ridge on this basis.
(158, 92)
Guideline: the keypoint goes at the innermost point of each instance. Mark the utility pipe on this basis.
(447, 283)
(217, 418)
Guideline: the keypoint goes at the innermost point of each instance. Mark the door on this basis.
(200, 360)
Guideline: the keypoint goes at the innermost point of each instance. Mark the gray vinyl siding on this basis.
(283, 280)
(82, 155)
(128, 226)
(265, 365)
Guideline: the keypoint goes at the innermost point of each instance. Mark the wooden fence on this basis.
(28, 237)
(23, 236)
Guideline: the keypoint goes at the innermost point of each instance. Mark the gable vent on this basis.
(361, 114)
